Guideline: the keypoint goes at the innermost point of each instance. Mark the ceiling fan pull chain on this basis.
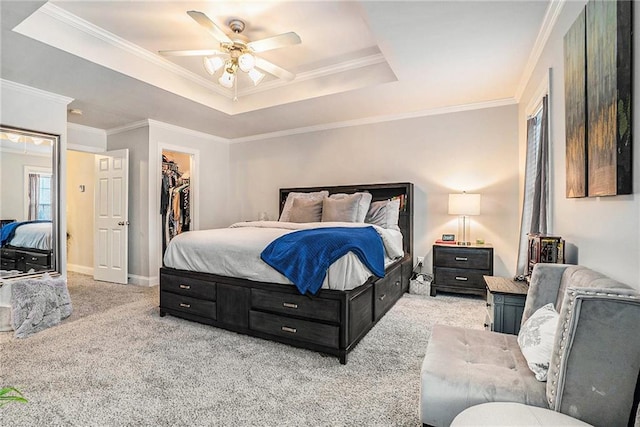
(235, 89)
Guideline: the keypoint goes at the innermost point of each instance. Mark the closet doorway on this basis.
(176, 195)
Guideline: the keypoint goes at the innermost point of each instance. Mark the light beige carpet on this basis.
(116, 362)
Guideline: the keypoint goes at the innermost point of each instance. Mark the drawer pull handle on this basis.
(461, 258)
(34, 258)
(289, 305)
(288, 329)
(397, 283)
(488, 305)
(383, 296)
(185, 305)
(185, 286)
(463, 279)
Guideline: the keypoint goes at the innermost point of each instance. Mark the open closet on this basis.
(175, 195)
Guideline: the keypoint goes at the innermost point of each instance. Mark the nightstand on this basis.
(460, 268)
(505, 304)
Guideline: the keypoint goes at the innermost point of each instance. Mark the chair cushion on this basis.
(466, 367)
(513, 415)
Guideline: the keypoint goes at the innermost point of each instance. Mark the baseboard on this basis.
(82, 269)
(134, 279)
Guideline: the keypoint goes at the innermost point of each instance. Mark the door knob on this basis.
(123, 223)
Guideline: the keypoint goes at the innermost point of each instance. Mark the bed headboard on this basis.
(378, 192)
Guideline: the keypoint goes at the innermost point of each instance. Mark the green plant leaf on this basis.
(11, 394)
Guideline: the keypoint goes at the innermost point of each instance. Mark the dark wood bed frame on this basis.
(331, 322)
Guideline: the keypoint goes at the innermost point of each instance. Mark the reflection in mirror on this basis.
(28, 202)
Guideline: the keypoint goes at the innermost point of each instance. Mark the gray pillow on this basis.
(286, 209)
(384, 213)
(364, 200)
(305, 210)
(343, 210)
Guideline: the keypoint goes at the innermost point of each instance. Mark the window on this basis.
(535, 210)
(38, 203)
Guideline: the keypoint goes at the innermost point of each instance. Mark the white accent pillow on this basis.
(384, 213)
(536, 338)
(363, 201)
(288, 204)
(339, 210)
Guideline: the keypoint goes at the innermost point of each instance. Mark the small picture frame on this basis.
(448, 237)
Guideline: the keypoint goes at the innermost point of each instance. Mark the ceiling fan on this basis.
(236, 52)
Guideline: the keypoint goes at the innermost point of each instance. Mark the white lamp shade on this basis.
(256, 76)
(246, 62)
(226, 80)
(464, 204)
(213, 64)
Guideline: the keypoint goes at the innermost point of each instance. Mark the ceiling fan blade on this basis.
(275, 42)
(207, 23)
(201, 52)
(271, 68)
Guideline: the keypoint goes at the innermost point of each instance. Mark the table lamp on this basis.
(463, 205)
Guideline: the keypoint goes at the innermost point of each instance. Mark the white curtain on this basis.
(535, 210)
(34, 196)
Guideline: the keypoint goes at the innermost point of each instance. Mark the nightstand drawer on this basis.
(477, 259)
(461, 277)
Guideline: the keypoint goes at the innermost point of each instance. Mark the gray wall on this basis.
(476, 151)
(602, 233)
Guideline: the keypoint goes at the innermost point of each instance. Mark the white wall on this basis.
(602, 233)
(137, 141)
(85, 138)
(209, 183)
(28, 108)
(13, 197)
(476, 151)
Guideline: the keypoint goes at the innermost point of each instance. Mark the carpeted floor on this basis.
(116, 362)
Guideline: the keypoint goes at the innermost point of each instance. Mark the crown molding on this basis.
(87, 129)
(548, 23)
(186, 131)
(379, 119)
(28, 90)
(94, 31)
(126, 128)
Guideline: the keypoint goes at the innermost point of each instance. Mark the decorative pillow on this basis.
(306, 210)
(384, 213)
(288, 204)
(536, 339)
(364, 200)
(343, 210)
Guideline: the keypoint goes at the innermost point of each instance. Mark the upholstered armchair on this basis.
(594, 364)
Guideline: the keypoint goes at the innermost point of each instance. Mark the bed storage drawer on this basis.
(296, 305)
(7, 264)
(7, 254)
(187, 304)
(387, 290)
(188, 286)
(298, 329)
(34, 259)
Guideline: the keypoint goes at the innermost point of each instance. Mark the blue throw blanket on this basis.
(8, 230)
(304, 256)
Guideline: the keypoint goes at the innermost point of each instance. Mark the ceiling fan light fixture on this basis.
(227, 79)
(212, 64)
(246, 61)
(256, 76)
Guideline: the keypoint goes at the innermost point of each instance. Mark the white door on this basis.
(111, 223)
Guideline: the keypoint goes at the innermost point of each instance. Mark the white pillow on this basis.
(536, 338)
(286, 209)
(384, 213)
(342, 210)
(363, 201)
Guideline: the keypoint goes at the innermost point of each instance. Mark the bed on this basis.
(26, 246)
(260, 301)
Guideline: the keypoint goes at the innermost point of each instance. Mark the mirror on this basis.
(29, 241)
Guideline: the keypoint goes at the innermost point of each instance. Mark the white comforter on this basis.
(235, 252)
(36, 235)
